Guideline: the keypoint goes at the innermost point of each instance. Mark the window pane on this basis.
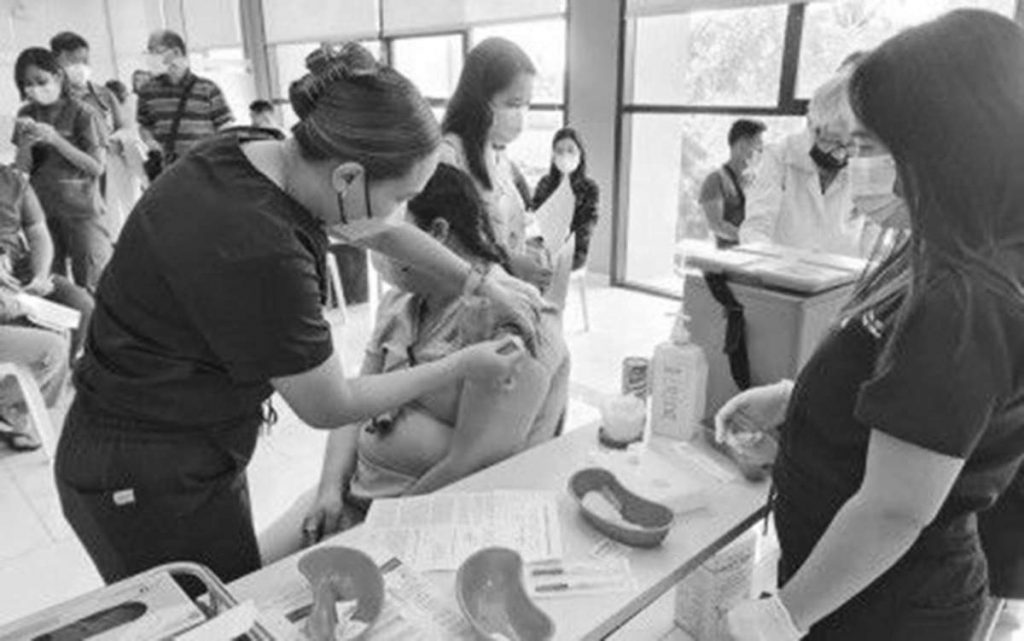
(670, 155)
(433, 63)
(230, 70)
(833, 30)
(710, 57)
(532, 150)
(544, 42)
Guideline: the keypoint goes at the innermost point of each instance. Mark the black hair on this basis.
(490, 67)
(168, 39)
(745, 128)
(451, 196)
(36, 57)
(261, 106)
(353, 108)
(853, 59)
(119, 90)
(568, 133)
(67, 42)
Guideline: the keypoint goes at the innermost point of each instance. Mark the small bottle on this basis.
(679, 379)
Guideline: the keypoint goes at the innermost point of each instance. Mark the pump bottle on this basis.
(679, 371)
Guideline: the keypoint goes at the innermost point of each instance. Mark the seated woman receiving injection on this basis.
(445, 435)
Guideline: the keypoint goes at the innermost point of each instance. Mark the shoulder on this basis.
(711, 188)
(12, 182)
(152, 87)
(206, 86)
(453, 151)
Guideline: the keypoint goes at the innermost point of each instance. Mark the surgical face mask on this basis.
(78, 74)
(567, 163)
(44, 94)
(872, 185)
(157, 64)
(829, 160)
(508, 124)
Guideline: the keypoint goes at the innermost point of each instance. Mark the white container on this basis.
(704, 598)
(679, 380)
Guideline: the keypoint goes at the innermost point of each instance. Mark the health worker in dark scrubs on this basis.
(909, 419)
(213, 300)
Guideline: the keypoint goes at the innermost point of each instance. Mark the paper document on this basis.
(439, 531)
(48, 314)
(554, 217)
(412, 611)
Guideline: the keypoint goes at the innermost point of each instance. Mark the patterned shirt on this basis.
(205, 112)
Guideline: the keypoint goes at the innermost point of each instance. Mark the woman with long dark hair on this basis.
(487, 112)
(569, 161)
(909, 419)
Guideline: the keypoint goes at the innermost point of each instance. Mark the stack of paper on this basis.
(555, 217)
(439, 531)
(47, 314)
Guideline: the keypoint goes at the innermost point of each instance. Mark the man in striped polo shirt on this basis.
(205, 110)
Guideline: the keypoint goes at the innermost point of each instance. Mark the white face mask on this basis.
(78, 74)
(44, 94)
(508, 124)
(157, 65)
(872, 176)
(567, 163)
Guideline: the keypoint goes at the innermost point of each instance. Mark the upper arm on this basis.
(306, 391)
(143, 112)
(32, 216)
(905, 481)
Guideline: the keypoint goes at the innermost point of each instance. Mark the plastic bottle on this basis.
(679, 371)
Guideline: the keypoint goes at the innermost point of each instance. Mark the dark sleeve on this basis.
(545, 187)
(89, 130)
(220, 112)
(260, 316)
(940, 383)
(584, 221)
(23, 111)
(711, 189)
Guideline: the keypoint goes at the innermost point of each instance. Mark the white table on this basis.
(696, 536)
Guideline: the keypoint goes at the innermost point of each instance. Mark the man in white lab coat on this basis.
(802, 196)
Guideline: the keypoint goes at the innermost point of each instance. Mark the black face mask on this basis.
(826, 160)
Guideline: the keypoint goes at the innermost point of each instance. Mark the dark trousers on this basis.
(137, 498)
(70, 295)
(936, 592)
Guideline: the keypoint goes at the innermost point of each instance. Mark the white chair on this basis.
(336, 297)
(37, 411)
(579, 277)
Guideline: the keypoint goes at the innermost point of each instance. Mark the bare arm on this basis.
(714, 211)
(92, 162)
(413, 246)
(39, 242)
(903, 489)
(492, 424)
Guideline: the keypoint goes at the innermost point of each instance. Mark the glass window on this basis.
(432, 62)
(544, 42)
(669, 157)
(724, 58)
(834, 30)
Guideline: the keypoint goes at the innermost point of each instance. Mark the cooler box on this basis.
(790, 301)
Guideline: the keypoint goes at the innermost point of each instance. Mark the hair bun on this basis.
(326, 65)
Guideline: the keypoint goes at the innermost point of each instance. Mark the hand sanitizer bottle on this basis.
(679, 371)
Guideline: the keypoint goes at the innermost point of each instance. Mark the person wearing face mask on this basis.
(443, 436)
(569, 160)
(723, 194)
(801, 196)
(487, 113)
(214, 300)
(906, 426)
(62, 146)
(176, 109)
(72, 52)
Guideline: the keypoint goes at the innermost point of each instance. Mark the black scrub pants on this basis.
(936, 592)
(138, 497)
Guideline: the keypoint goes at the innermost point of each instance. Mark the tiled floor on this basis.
(41, 562)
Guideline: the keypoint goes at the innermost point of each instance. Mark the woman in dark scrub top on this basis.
(213, 301)
(909, 418)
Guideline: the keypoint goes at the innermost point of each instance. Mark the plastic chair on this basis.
(579, 277)
(37, 411)
(336, 296)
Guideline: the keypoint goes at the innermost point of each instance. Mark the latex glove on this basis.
(494, 361)
(762, 620)
(515, 303)
(753, 413)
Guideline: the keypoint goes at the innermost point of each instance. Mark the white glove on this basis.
(762, 620)
(756, 411)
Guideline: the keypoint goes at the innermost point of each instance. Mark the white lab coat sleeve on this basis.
(764, 198)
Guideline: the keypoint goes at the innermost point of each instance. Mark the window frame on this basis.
(787, 104)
